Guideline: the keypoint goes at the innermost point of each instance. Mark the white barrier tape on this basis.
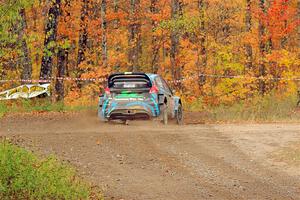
(232, 77)
(55, 78)
(173, 81)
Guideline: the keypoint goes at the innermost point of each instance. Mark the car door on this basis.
(170, 97)
(160, 85)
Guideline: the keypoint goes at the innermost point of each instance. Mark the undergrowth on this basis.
(268, 108)
(25, 176)
(40, 105)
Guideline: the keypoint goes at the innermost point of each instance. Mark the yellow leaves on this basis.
(284, 58)
(225, 39)
(230, 90)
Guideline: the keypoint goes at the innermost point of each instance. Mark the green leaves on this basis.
(9, 11)
(54, 46)
(185, 23)
(24, 176)
(225, 59)
(65, 44)
(11, 29)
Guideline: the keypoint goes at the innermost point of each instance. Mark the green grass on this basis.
(269, 108)
(3, 109)
(38, 105)
(25, 176)
(265, 109)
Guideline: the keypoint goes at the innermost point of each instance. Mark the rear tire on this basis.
(179, 115)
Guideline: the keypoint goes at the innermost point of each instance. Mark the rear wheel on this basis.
(179, 115)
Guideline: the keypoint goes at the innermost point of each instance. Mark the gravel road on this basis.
(147, 160)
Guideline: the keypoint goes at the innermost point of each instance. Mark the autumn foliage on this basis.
(213, 51)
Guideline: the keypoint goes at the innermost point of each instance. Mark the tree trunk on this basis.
(262, 50)
(62, 57)
(83, 34)
(116, 10)
(62, 60)
(116, 26)
(176, 12)
(284, 40)
(248, 47)
(155, 46)
(50, 39)
(202, 42)
(135, 46)
(26, 61)
(104, 32)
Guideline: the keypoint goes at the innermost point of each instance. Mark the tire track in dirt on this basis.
(149, 161)
(225, 166)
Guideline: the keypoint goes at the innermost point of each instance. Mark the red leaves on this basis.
(279, 19)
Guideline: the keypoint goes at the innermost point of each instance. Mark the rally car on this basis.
(130, 96)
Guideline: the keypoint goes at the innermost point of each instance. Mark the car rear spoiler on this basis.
(124, 76)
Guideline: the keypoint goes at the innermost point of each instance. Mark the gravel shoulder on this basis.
(147, 160)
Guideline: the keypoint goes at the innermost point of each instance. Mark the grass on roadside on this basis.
(269, 108)
(260, 109)
(24, 176)
(40, 105)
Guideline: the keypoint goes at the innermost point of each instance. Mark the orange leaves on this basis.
(279, 19)
(223, 47)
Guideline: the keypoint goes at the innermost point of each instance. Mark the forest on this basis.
(217, 52)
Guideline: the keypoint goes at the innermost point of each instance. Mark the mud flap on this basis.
(164, 114)
(101, 117)
(100, 114)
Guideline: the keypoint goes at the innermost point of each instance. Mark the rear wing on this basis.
(129, 77)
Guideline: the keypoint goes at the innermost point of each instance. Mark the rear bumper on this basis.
(128, 108)
(131, 111)
(130, 114)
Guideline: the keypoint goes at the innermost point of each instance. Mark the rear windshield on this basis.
(130, 82)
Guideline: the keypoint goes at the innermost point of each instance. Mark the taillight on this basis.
(107, 91)
(153, 90)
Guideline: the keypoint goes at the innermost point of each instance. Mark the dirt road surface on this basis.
(147, 160)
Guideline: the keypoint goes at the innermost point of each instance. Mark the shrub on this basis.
(3, 109)
(267, 108)
(40, 105)
(24, 176)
